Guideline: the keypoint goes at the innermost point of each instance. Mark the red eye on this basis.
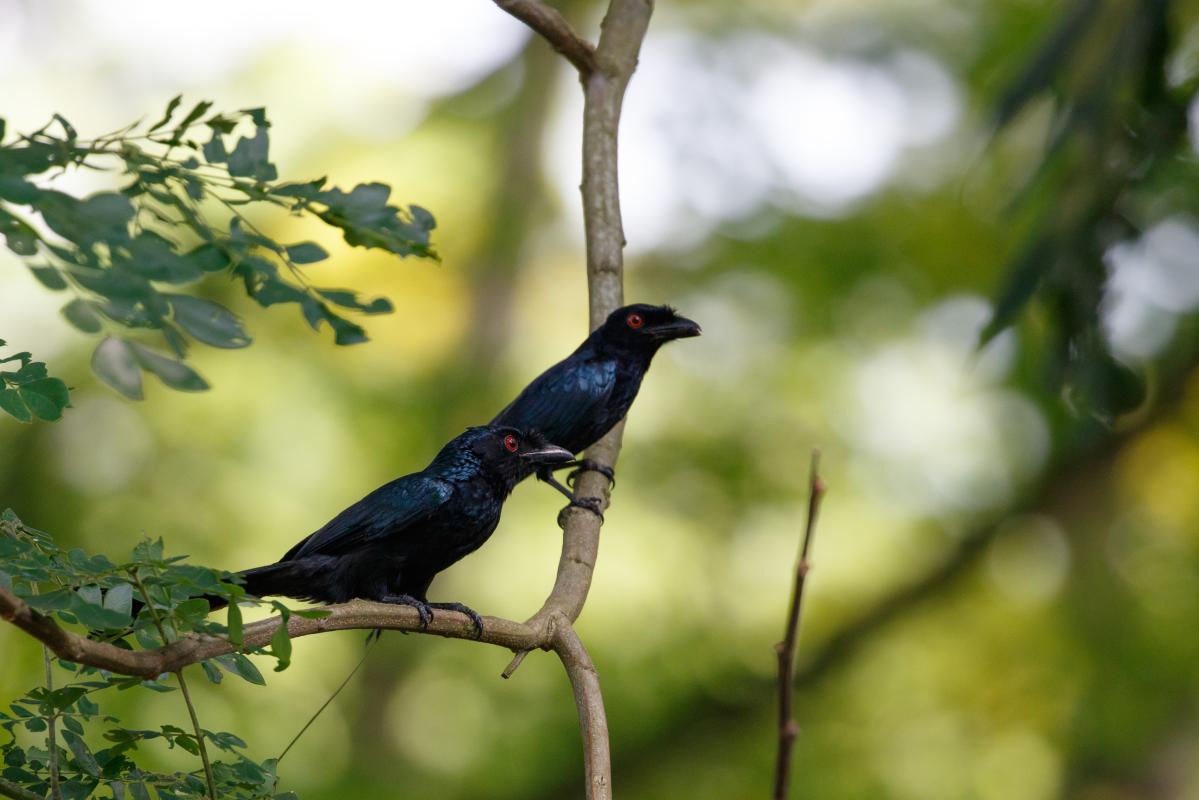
(635, 320)
(510, 443)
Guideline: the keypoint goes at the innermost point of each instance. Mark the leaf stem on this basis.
(51, 732)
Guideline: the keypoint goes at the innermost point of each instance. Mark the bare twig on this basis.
(554, 28)
(788, 729)
(366, 652)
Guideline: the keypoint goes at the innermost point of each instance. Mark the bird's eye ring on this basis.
(635, 320)
(510, 443)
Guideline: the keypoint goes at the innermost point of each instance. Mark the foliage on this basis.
(1117, 155)
(91, 591)
(125, 256)
(27, 391)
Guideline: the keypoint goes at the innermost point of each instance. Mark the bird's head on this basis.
(645, 327)
(509, 453)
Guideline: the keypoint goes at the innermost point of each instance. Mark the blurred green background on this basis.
(1005, 596)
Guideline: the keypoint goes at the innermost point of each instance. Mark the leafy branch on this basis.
(124, 255)
(1116, 151)
(74, 588)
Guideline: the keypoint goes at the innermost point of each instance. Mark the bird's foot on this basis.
(588, 465)
(461, 609)
(422, 608)
(592, 504)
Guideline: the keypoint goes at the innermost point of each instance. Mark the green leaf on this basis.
(12, 404)
(234, 625)
(83, 315)
(114, 363)
(250, 158)
(49, 277)
(46, 398)
(58, 600)
(208, 322)
(174, 374)
(306, 253)
(281, 645)
(208, 257)
(243, 668)
(197, 111)
(120, 599)
(20, 238)
(95, 615)
(214, 151)
(103, 217)
(349, 299)
(211, 672)
(155, 258)
(83, 756)
(166, 116)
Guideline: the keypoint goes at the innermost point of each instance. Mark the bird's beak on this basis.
(679, 328)
(549, 454)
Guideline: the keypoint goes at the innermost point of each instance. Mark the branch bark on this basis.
(16, 792)
(546, 21)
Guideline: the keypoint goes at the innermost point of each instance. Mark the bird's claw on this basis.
(422, 608)
(463, 609)
(588, 465)
(592, 504)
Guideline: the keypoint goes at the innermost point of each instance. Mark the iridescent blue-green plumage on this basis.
(579, 399)
(390, 544)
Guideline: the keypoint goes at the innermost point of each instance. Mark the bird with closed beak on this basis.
(579, 399)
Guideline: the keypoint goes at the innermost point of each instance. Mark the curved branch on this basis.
(193, 648)
(593, 721)
(554, 28)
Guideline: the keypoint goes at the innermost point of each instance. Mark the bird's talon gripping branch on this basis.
(422, 608)
(462, 609)
(592, 504)
(588, 465)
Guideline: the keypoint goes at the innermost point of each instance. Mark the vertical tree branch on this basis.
(788, 729)
(604, 82)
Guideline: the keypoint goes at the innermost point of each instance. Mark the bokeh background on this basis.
(1005, 597)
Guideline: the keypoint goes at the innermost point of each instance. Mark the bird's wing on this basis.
(385, 512)
(562, 400)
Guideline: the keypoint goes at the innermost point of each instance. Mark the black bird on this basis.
(390, 544)
(576, 401)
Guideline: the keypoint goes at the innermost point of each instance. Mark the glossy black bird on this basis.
(576, 401)
(390, 544)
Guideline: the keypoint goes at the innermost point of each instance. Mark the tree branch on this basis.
(193, 648)
(593, 720)
(16, 792)
(788, 729)
(554, 28)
